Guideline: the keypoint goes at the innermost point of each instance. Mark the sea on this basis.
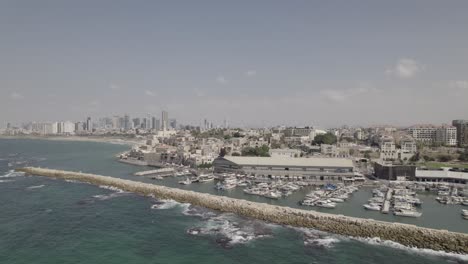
(44, 220)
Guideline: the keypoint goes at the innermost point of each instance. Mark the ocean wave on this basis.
(229, 230)
(168, 204)
(318, 239)
(12, 173)
(420, 251)
(117, 193)
(6, 181)
(35, 187)
(112, 188)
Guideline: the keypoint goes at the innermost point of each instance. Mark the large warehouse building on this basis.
(303, 169)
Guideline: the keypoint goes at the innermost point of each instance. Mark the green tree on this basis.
(263, 151)
(327, 138)
(444, 158)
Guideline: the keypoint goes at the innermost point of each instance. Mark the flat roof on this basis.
(442, 174)
(300, 162)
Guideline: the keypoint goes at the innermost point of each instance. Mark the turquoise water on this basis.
(52, 221)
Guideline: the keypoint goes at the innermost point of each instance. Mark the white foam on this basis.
(36, 187)
(112, 188)
(12, 173)
(420, 251)
(6, 181)
(167, 204)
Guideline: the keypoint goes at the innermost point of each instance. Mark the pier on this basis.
(408, 235)
(386, 204)
(157, 171)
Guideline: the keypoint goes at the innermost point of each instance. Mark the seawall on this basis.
(408, 235)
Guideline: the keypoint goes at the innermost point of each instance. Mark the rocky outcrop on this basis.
(408, 235)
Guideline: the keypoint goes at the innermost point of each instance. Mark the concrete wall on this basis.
(407, 235)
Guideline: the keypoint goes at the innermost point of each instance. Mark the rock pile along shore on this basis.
(408, 235)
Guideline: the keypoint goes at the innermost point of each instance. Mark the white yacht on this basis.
(325, 204)
(407, 213)
(308, 203)
(336, 200)
(465, 212)
(372, 207)
(273, 195)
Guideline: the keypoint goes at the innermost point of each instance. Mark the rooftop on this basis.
(304, 162)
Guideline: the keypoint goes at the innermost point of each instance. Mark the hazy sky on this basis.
(260, 63)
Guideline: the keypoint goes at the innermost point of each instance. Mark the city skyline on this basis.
(298, 63)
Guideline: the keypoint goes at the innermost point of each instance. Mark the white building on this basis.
(446, 135)
(285, 153)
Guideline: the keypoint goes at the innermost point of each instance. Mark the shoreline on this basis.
(405, 234)
(110, 140)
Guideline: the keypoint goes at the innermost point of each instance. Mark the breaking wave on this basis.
(420, 251)
(318, 239)
(116, 193)
(35, 187)
(228, 229)
(12, 174)
(167, 204)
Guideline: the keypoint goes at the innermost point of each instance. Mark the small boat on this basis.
(308, 203)
(325, 204)
(157, 177)
(186, 181)
(465, 202)
(465, 212)
(407, 213)
(273, 195)
(336, 200)
(372, 207)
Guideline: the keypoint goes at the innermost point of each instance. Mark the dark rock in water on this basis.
(225, 242)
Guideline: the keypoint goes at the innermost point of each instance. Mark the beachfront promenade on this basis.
(408, 235)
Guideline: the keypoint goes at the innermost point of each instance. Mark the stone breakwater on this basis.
(408, 235)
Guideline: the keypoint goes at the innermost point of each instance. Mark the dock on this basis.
(386, 204)
(157, 171)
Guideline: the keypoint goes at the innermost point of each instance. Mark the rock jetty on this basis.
(408, 235)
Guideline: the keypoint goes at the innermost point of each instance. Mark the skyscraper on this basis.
(89, 125)
(462, 132)
(164, 120)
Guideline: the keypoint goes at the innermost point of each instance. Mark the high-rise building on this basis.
(126, 124)
(157, 124)
(164, 120)
(89, 125)
(136, 122)
(462, 132)
(173, 124)
(446, 135)
(153, 122)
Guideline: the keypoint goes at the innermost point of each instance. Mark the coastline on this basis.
(110, 140)
(408, 235)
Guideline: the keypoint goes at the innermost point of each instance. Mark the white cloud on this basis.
(461, 84)
(220, 79)
(150, 93)
(94, 103)
(251, 73)
(339, 96)
(405, 68)
(16, 96)
(114, 87)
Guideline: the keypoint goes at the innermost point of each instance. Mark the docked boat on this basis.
(372, 207)
(407, 213)
(325, 204)
(465, 212)
(308, 203)
(336, 200)
(273, 195)
(186, 181)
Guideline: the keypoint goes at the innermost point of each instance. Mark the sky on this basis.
(254, 63)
